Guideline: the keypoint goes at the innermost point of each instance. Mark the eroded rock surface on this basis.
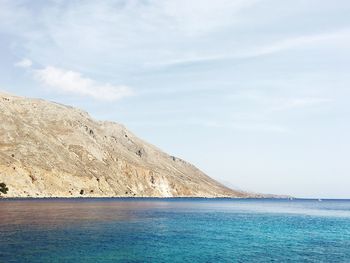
(52, 150)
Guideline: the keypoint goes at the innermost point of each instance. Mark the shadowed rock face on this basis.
(52, 150)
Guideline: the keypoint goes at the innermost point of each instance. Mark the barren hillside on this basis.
(52, 150)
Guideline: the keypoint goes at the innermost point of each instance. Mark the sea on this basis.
(174, 230)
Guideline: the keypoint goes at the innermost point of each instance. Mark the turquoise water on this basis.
(174, 230)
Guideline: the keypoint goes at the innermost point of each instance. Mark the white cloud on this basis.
(125, 35)
(338, 37)
(73, 82)
(24, 63)
(298, 42)
(134, 35)
(197, 17)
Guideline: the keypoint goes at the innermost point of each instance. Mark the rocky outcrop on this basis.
(52, 150)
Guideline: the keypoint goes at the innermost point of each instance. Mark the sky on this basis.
(256, 93)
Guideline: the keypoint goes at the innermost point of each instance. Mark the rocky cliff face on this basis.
(52, 150)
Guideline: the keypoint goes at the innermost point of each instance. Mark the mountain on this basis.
(52, 150)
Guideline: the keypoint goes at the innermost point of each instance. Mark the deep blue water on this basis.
(174, 230)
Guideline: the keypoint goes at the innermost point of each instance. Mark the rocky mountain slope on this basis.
(52, 150)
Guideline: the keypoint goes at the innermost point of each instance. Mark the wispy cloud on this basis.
(117, 33)
(24, 63)
(72, 82)
(303, 41)
(299, 42)
(134, 35)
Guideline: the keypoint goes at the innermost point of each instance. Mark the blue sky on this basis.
(255, 93)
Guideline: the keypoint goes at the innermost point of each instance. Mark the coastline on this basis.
(156, 198)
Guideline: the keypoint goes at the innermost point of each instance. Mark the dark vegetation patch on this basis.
(3, 188)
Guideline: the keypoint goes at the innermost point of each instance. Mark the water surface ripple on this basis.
(174, 230)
